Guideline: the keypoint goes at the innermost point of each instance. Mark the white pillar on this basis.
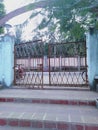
(8, 61)
(92, 56)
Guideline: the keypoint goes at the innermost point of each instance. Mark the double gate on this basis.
(38, 65)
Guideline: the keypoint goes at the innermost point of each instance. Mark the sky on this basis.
(11, 5)
(14, 4)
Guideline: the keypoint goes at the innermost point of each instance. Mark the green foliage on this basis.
(77, 32)
(2, 13)
(46, 49)
(34, 14)
(66, 13)
(1, 30)
(96, 25)
(83, 3)
(2, 10)
(18, 32)
(44, 23)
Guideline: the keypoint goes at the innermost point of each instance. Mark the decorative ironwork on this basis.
(28, 64)
(65, 64)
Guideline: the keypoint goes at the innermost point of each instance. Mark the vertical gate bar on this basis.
(49, 53)
(75, 71)
(86, 62)
(14, 65)
(35, 82)
(24, 71)
(42, 68)
(59, 59)
(69, 74)
(32, 70)
(64, 57)
(42, 65)
(38, 70)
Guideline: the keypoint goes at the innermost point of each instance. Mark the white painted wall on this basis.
(45, 63)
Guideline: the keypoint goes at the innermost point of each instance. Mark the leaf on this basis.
(44, 23)
(34, 15)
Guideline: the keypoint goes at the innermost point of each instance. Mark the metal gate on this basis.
(67, 64)
(28, 69)
(64, 64)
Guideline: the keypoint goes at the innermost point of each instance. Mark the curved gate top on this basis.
(60, 64)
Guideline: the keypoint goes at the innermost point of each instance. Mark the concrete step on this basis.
(23, 128)
(62, 97)
(47, 116)
(49, 101)
(19, 128)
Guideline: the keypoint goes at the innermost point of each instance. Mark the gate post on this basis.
(0, 61)
(7, 60)
(92, 56)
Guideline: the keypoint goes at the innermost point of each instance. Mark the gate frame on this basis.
(49, 69)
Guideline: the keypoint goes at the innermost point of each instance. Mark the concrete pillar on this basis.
(0, 61)
(8, 61)
(92, 56)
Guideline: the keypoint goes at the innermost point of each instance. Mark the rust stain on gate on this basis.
(64, 65)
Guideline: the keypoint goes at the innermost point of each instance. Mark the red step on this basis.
(50, 101)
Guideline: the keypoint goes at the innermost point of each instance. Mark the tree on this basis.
(73, 17)
(18, 34)
(63, 13)
(2, 13)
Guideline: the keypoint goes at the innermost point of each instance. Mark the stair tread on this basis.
(18, 128)
(49, 94)
(47, 112)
